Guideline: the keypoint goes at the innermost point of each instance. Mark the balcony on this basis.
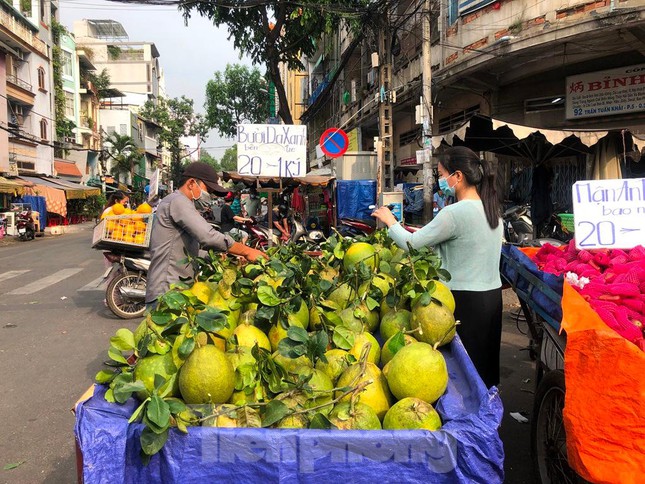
(16, 81)
(16, 31)
(20, 91)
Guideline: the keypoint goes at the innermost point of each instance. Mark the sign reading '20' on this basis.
(272, 150)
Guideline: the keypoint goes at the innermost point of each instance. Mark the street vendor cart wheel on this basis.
(548, 438)
(125, 295)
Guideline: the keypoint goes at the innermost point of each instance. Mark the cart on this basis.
(540, 297)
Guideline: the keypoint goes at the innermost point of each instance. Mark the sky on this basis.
(189, 55)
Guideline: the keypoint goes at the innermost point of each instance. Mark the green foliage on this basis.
(64, 127)
(114, 51)
(124, 153)
(281, 32)
(229, 159)
(177, 118)
(100, 82)
(94, 204)
(235, 96)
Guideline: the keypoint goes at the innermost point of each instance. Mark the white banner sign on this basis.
(609, 213)
(154, 185)
(273, 150)
(605, 93)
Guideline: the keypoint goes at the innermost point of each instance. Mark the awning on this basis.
(273, 182)
(75, 190)
(66, 168)
(481, 133)
(54, 196)
(11, 187)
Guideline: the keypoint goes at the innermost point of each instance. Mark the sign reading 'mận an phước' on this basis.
(606, 93)
(272, 150)
(609, 213)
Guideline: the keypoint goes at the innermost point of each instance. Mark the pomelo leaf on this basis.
(343, 338)
(329, 304)
(181, 426)
(372, 304)
(104, 376)
(384, 267)
(175, 405)
(229, 276)
(123, 340)
(151, 442)
(211, 320)
(249, 417)
(186, 347)
(291, 349)
(296, 333)
(116, 355)
(174, 300)
(265, 313)
(158, 411)
(159, 381)
(267, 296)
(13, 465)
(245, 282)
(274, 412)
(324, 285)
(319, 421)
(333, 319)
(424, 299)
(123, 391)
(396, 343)
(444, 274)
(339, 253)
(137, 413)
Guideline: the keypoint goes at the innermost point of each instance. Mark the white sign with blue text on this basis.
(609, 213)
(272, 150)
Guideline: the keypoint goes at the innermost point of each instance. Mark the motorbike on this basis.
(25, 225)
(126, 290)
(299, 233)
(518, 227)
(259, 235)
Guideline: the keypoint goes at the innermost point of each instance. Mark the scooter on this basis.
(25, 225)
(126, 291)
(259, 235)
(313, 238)
(518, 227)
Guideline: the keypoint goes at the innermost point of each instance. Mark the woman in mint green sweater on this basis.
(468, 237)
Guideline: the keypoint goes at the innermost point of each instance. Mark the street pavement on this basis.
(54, 333)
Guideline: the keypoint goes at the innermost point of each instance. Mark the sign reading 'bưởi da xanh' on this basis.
(271, 150)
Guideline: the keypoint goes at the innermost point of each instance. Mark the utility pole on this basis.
(426, 59)
(384, 147)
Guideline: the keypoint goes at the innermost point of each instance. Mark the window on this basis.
(456, 120)
(68, 69)
(42, 11)
(43, 129)
(69, 105)
(41, 78)
(111, 130)
(123, 129)
(453, 11)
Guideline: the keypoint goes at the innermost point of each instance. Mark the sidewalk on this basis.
(57, 231)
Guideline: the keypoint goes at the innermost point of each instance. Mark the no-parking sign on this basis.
(334, 142)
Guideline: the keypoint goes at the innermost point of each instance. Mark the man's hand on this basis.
(255, 255)
(246, 252)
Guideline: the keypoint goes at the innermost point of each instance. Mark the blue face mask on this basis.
(446, 188)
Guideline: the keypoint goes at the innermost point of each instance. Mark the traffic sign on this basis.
(334, 142)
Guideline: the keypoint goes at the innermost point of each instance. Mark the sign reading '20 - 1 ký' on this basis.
(272, 150)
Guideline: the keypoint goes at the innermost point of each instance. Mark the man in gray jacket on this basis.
(179, 229)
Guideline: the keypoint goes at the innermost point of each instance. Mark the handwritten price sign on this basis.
(609, 213)
(272, 150)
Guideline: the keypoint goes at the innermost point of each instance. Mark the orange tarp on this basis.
(54, 199)
(604, 412)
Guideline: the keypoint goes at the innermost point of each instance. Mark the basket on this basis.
(126, 231)
(567, 221)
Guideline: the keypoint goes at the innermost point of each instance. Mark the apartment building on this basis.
(26, 92)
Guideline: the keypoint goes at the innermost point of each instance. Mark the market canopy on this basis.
(54, 196)
(481, 133)
(75, 190)
(11, 187)
(273, 182)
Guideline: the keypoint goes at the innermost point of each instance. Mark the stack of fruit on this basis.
(126, 225)
(292, 342)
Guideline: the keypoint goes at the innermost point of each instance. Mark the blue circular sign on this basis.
(334, 142)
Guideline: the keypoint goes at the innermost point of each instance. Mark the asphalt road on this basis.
(54, 332)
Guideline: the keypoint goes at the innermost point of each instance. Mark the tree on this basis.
(237, 95)
(206, 157)
(124, 153)
(177, 118)
(281, 31)
(229, 159)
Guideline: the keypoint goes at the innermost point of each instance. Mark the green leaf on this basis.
(175, 405)
(296, 333)
(274, 412)
(137, 413)
(339, 253)
(151, 442)
(245, 282)
(320, 421)
(267, 296)
(211, 320)
(396, 343)
(324, 285)
(116, 355)
(444, 274)
(265, 313)
(175, 300)
(329, 304)
(384, 267)
(159, 381)
(161, 318)
(169, 385)
(424, 299)
(158, 411)
(13, 465)
(333, 319)
(343, 337)
(291, 349)
(109, 396)
(123, 340)
(249, 417)
(104, 376)
(372, 303)
(124, 391)
(186, 347)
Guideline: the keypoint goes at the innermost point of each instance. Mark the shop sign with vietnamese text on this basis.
(272, 150)
(606, 93)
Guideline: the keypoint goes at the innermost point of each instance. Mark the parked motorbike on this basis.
(126, 291)
(260, 235)
(299, 233)
(25, 225)
(518, 227)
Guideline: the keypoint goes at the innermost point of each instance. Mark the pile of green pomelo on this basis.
(345, 338)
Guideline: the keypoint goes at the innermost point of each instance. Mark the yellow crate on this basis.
(131, 230)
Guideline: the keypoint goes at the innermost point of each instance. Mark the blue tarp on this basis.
(38, 204)
(466, 449)
(354, 197)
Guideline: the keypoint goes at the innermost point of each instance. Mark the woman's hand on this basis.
(385, 215)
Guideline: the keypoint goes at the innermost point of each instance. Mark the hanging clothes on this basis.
(298, 201)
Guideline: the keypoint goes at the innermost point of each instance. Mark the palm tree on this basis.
(124, 154)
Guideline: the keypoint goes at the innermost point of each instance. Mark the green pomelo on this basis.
(417, 370)
(207, 376)
(300, 317)
(361, 417)
(360, 252)
(146, 369)
(376, 393)
(142, 329)
(383, 282)
(386, 352)
(276, 334)
(343, 295)
(321, 386)
(411, 413)
(351, 320)
(361, 341)
(293, 422)
(434, 323)
(393, 322)
(337, 361)
(292, 365)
